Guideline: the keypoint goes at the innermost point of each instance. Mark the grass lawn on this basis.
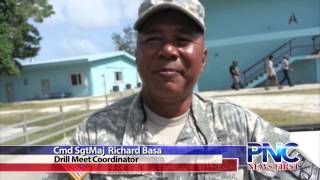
(306, 91)
(19, 118)
(35, 115)
(41, 105)
(274, 116)
(315, 91)
(41, 133)
(45, 122)
(57, 102)
(281, 118)
(55, 138)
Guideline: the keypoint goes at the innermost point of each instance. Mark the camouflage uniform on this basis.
(212, 122)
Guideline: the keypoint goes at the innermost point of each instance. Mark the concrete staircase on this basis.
(263, 77)
(256, 74)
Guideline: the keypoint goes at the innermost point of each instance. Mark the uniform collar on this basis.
(203, 115)
(201, 112)
(135, 121)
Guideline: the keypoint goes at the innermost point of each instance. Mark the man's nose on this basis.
(169, 52)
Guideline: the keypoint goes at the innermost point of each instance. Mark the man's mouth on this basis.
(169, 72)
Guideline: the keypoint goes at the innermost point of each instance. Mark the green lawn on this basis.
(58, 102)
(32, 116)
(19, 118)
(49, 121)
(55, 138)
(274, 116)
(315, 91)
(41, 105)
(281, 118)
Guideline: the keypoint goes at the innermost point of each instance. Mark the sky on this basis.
(84, 27)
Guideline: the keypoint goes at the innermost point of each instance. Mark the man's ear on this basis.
(135, 54)
(204, 58)
(137, 60)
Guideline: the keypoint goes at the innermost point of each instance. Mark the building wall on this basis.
(29, 85)
(249, 30)
(57, 76)
(234, 18)
(216, 74)
(318, 69)
(305, 71)
(307, 68)
(105, 72)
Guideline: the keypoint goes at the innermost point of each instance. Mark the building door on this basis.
(10, 92)
(45, 88)
(104, 79)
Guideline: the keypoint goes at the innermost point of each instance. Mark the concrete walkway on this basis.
(261, 99)
(249, 98)
(291, 102)
(260, 90)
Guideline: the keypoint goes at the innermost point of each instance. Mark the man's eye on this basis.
(153, 39)
(182, 41)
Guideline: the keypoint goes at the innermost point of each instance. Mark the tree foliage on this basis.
(19, 38)
(126, 41)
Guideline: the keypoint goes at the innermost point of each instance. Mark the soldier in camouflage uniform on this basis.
(170, 57)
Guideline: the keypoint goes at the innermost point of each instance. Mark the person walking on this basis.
(271, 73)
(285, 69)
(235, 73)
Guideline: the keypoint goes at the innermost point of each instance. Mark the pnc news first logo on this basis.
(262, 156)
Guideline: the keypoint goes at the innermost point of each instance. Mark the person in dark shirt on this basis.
(234, 71)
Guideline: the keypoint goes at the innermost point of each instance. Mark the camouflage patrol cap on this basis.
(191, 8)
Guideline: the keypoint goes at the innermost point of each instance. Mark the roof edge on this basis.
(85, 58)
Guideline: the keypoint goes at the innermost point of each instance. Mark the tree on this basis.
(127, 42)
(19, 38)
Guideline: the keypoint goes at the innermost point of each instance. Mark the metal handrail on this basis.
(25, 123)
(261, 64)
(314, 42)
(38, 119)
(31, 121)
(263, 59)
(51, 135)
(62, 131)
(27, 133)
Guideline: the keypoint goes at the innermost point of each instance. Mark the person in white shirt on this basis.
(271, 73)
(285, 69)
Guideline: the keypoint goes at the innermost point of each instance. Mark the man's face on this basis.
(170, 55)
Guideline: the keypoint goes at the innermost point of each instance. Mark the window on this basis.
(115, 89)
(128, 86)
(25, 82)
(76, 79)
(118, 76)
